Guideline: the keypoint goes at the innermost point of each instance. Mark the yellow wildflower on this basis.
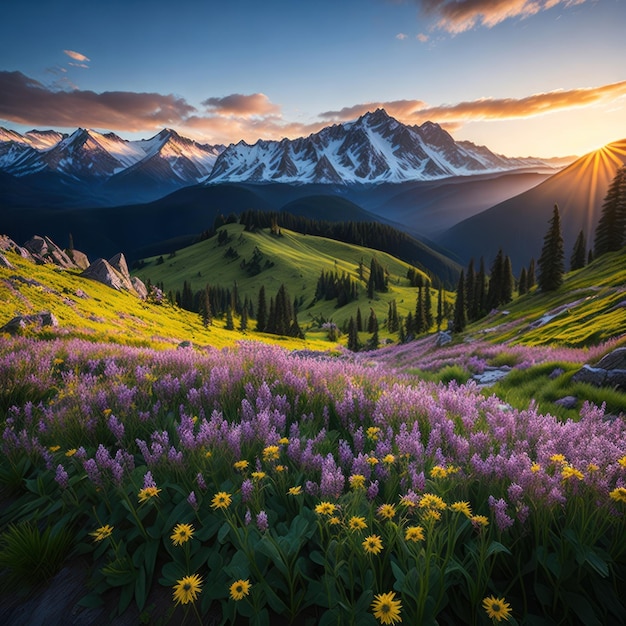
(187, 589)
(182, 534)
(357, 481)
(619, 494)
(221, 500)
(432, 501)
(373, 544)
(241, 465)
(271, 453)
(357, 523)
(295, 491)
(462, 507)
(240, 589)
(387, 511)
(325, 508)
(414, 533)
(146, 493)
(571, 472)
(386, 608)
(497, 608)
(102, 533)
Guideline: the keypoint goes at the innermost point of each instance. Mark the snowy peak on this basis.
(374, 148)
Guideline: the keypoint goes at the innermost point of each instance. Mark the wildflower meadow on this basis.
(262, 483)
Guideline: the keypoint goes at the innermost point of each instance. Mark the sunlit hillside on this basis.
(291, 259)
(88, 309)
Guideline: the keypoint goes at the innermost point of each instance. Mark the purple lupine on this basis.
(247, 490)
(191, 500)
(62, 477)
(261, 521)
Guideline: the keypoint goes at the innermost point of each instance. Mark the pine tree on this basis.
(496, 282)
(460, 313)
(261, 313)
(508, 281)
(428, 307)
(373, 343)
(439, 308)
(205, 307)
(230, 325)
(480, 298)
(550, 264)
(579, 253)
(611, 230)
(359, 320)
(243, 324)
(530, 276)
(353, 337)
(522, 287)
(470, 289)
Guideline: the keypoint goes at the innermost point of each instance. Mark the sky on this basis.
(523, 77)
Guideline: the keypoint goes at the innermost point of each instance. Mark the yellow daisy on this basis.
(239, 589)
(258, 475)
(431, 501)
(618, 494)
(295, 491)
(71, 452)
(357, 481)
(187, 589)
(357, 523)
(372, 432)
(241, 465)
(102, 533)
(571, 472)
(438, 472)
(270, 453)
(146, 493)
(388, 459)
(373, 544)
(283, 441)
(414, 533)
(622, 461)
(535, 467)
(387, 511)
(325, 508)
(221, 500)
(182, 533)
(479, 521)
(462, 507)
(497, 608)
(386, 608)
(557, 458)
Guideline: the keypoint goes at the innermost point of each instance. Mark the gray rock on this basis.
(119, 263)
(139, 287)
(568, 402)
(615, 360)
(616, 379)
(556, 372)
(4, 262)
(102, 271)
(79, 258)
(592, 375)
(443, 338)
(18, 323)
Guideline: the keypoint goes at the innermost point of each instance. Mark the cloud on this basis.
(83, 65)
(455, 115)
(401, 36)
(253, 105)
(457, 16)
(77, 56)
(401, 109)
(422, 37)
(26, 101)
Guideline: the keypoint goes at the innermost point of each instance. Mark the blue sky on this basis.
(524, 77)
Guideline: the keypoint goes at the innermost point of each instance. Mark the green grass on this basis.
(588, 309)
(90, 310)
(297, 262)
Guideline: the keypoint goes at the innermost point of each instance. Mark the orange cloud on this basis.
(257, 104)
(456, 16)
(400, 109)
(77, 56)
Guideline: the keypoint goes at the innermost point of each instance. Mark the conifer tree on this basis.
(243, 324)
(428, 307)
(611, 230)
(353, 337)
(579, 253)
(470, 289)
(496, 281)
(230, 325)
(480, 288)
(550, 264)
(373, 342)
(439, 308)
(372, 321)
(261, 313)
(359, 320)
(590, 256)
(522, 287)
(460, 313)
(205, 307)
(419, 321)
(530, 276)
(508, 281)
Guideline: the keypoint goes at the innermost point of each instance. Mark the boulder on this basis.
(444, 337)
(616, 379)
(139, 287)
(556, 372)
(8, 245)
(102, 271)
(18, 323)
(592, 375)
(568, 402)
(615, 360)
(79, 258)
(44, 250)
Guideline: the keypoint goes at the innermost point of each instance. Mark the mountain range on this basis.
(103, 169)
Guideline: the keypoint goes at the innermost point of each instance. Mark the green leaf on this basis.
(261, 618)
(496, 547)
(582, 608)
(223, 533)
(140, 589)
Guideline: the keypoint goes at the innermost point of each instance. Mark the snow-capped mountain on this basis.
(375, 148)
(90, 154)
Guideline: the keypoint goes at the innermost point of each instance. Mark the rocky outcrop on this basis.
(114, 273)
(20, 322)
(8, 245)
(44, 250)
(79, 258)
(609, 372)
(4, 262)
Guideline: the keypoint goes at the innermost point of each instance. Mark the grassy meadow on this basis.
(243, 482)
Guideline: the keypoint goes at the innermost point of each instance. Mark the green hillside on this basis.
(292, 259)
(90, 310)
(590, 307)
